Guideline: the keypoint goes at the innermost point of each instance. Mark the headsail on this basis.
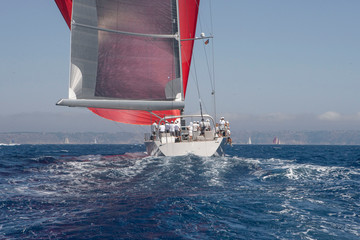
(65, 7)
(129, 51)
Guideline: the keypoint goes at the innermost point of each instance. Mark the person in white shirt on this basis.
(195, 126)
(177, 129)
(217, 131)
(190, 128)
(222, 126)
(162, 128)
(172, 128)
(207, 125)
(154, 130)
(167, 127)
(228, 133)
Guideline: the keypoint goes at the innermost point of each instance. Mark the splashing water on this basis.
(117, 192)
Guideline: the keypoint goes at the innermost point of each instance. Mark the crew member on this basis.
(195, 129)
(217, 131)
(154, 130)
(177, 129)
(190, 128)
(202, 126)
(167, 127)
(207, 125)
(172, 128)
(222, 126)
(162, 128)
(228, 133)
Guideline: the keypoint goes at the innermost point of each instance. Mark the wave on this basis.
(193, 197)
(9, 144)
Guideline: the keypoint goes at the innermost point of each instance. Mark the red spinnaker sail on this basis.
(65, 7)
(188, 13)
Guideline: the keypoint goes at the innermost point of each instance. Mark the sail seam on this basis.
(175, 36)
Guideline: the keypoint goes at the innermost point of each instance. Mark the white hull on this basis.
(9, 144)
(199, 148)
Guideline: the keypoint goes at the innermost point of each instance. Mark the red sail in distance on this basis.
(188, 13)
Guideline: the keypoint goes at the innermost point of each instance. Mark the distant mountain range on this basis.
(70, 138)
(335, 137)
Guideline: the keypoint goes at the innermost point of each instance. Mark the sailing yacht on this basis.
(276, 140)
(130, 63)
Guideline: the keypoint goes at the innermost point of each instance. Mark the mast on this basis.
(180, 60)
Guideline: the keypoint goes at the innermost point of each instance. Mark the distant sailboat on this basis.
(249, 141)
(11, 143)
(276, 140)
(66, 141)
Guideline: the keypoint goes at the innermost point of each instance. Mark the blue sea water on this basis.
(117, 192)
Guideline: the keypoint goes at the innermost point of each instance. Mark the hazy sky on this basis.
(279, 65)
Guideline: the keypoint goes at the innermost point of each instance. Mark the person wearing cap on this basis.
(167, 127)
(207, 125)
(217, 131)
(177, 129)
(190, 128)
(195, 126)
(154, 130)
(228, 133)
(222, 126)
(172, 128)
(228, 140)
(202, 126)
(162, 128)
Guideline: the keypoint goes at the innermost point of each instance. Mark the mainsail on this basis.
(127, 57)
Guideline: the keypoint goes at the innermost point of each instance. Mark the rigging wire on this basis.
(211, 73)
(195, 76)
(213, 59)
(196, 80)
(194, 72)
